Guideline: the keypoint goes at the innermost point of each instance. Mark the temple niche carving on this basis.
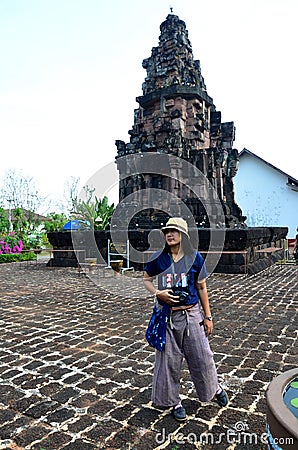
(176, 116)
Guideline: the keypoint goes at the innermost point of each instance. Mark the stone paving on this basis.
(76, 371)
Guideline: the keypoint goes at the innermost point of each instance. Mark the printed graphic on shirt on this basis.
(169, 280)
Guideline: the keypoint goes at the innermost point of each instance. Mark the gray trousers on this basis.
(185, 338)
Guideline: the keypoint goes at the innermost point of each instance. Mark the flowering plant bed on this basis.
(10, 244)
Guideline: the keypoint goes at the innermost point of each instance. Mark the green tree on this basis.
(26, 225)
(25, 222)
(55, 222)
(4, 222)
(22, 199)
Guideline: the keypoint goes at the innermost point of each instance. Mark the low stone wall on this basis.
(251, 240)
(248, 240)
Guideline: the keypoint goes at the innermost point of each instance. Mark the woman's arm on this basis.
(148, 283)
(203, 295)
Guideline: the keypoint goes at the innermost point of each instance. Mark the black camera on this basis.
(183, 296)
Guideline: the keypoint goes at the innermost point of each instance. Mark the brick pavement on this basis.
(75, 369)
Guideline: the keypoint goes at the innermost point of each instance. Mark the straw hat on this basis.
(176, 223)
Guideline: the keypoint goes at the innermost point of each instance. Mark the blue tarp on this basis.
(72, 225)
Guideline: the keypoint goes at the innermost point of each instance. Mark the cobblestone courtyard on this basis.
(75, 369)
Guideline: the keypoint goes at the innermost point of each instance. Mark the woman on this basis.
(182, 276)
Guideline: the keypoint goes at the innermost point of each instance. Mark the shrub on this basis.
(14, 257)
(10, 244)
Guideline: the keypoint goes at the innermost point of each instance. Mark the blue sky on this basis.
(70, 71)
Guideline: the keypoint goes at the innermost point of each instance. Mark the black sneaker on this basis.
(222, 398)
(179, 413)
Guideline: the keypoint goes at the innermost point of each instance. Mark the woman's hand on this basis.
(208, 326)
(167, 296)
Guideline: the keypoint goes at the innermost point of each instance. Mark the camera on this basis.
(183, 296)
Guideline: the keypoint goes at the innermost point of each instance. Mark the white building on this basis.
(267, 195)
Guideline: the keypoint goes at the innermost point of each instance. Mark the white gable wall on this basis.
(263, 195)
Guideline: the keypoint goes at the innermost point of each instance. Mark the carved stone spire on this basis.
(172, 63)
(177, 116)
(175, 88)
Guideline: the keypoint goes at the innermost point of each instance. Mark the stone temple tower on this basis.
(176, 116)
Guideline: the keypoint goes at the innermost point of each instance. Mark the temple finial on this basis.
(171, 9)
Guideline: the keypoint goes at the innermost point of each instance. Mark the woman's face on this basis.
(173, 237)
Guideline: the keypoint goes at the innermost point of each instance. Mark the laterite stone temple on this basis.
(178, 126)
(176, 116)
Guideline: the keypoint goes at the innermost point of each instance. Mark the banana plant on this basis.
(96, 213)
